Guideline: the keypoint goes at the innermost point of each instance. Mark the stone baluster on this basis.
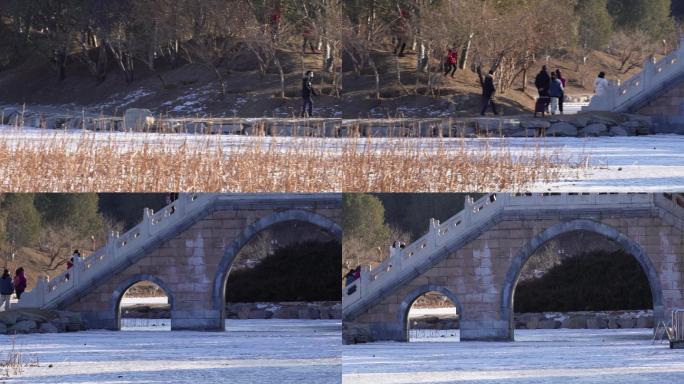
(434, 232)
(468, 211)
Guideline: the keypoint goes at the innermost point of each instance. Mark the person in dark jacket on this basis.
(542, 82)
(19, 282)
(6, 289)
(308, 92)
(488, 91)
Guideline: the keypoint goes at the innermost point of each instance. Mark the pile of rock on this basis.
(585, 320)
(591, 124)
(286, 310)
(39, 321)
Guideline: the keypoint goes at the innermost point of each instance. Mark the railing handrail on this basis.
(47, 291)
(650, 78)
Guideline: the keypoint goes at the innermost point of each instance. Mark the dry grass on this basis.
(157, 163)
(16, 361)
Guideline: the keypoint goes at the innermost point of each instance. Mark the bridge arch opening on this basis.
(590, 250)
(430, 313)
(142, 303)
(264, 248)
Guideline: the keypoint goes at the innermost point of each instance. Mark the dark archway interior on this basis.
(432, 317)
(582, 271)
(144, 306)
(286, 262)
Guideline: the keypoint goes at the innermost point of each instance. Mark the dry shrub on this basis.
(114, 162)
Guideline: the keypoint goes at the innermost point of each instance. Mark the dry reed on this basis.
(155, 163)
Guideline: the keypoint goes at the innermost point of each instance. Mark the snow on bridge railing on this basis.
(654, 76)
(475, 214)
(117, 248)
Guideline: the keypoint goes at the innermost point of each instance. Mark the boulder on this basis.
(535, 124)
(48, 328)
(644, 130)
(24, 326)
(562, 129)
(574, 323)
(612, 324)
(644, 322)
(3, 328)
(523, 132)
(547, 324)
(595, 129)
(626, 323)
(595, 117)
(138, 119)
(258, 314)
(9, 318)
(532, 323)
(620, 130)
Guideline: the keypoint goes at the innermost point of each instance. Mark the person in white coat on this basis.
(601, 84)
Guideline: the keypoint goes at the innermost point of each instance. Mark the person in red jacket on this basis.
(451, 62)
(19, 282)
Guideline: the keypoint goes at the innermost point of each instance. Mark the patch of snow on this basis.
(620, 356)
(250, 351)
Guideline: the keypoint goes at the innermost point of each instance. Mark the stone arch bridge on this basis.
(475, 258)
(187, 248)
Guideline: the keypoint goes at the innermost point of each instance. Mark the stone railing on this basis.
(115, 252)
(475, 214)
(654, 76)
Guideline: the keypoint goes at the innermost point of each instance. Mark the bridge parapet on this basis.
(420, 254)
(620, 97)
(115, 252)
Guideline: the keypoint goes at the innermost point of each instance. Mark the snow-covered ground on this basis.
(628, 164)
(623, 356)
(250, 351)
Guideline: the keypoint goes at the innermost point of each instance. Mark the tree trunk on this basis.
(282, 77)
(466, 51)
(377, 78)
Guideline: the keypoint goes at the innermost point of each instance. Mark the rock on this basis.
(138, 119)
(309, 313)
(38, 316)
(3, 328)
(258, 314)
(533, 323)
(24, 326)
(644, 130)
(562, 129)
(522, 132)
(547, 324)
(48, 328)
(644, 322)
(355, 333)
(626, 323)
(574, 323)
(595, 129)
(584, 119)
(9, 318)
(620, 130)
(535, 124)
(612, 324)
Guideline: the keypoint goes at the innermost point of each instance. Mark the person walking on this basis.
(542, 82)
(451, 63)
(555, 92)
(6, 289)
(309, 35)
(308, 92)
(561, 99)
(19, 282)
(488, 91)
(601, 84)
(400, 29)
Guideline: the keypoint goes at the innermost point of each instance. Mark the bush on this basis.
(301, 272)
(589, 282)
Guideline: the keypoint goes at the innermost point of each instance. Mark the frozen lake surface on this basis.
(251, 351)
(624, 356)
(627, 164)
